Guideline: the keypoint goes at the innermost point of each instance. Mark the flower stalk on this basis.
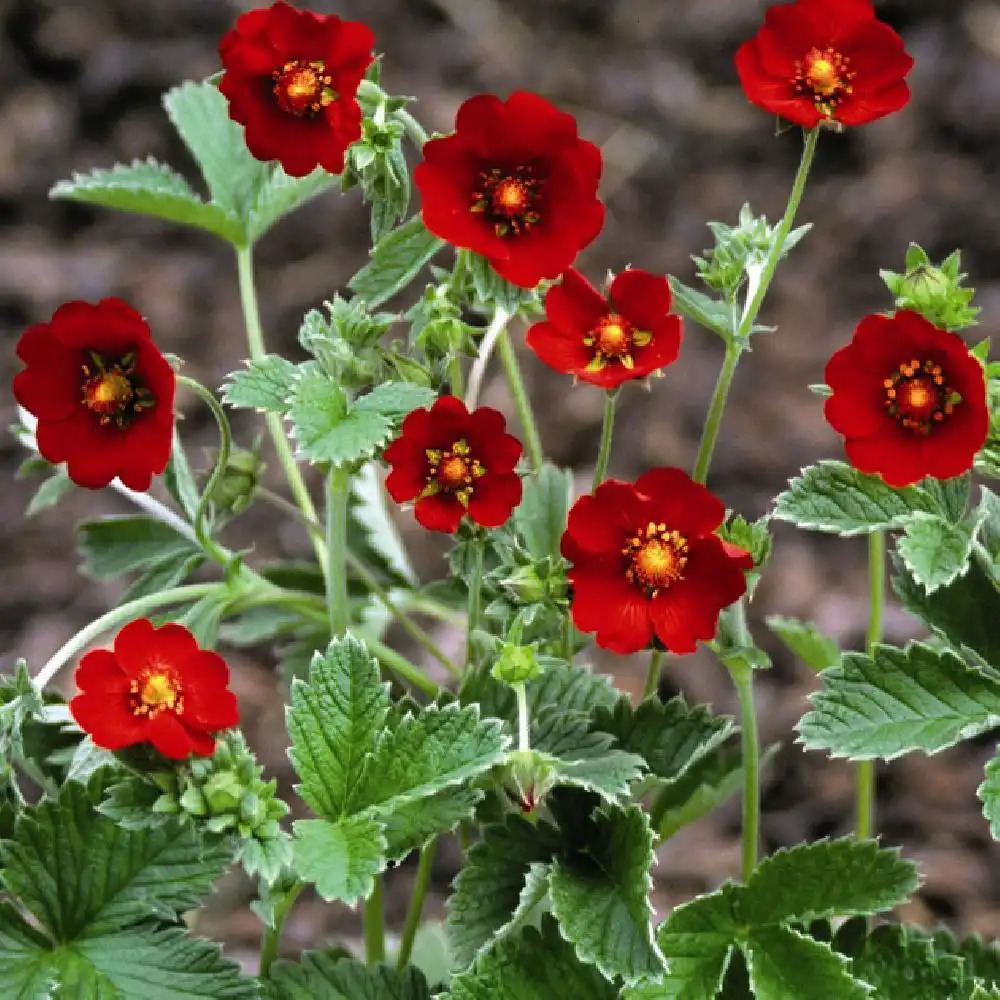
(864, 825)
(607, 433)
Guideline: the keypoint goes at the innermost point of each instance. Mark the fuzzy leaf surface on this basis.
(805, 640)
(264, 385)
(898, 701)
(540, 518)
(396, 260)
(342, 858)
(836, 498)
(328, 975)
(280, 194)
(934, 550)
(601, 898)
(989, 795)
(114, 546)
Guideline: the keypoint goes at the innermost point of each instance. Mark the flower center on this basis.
(156, 692)
(655, 558)
(303, 89)
(508, 199)
(918, 397)
(452, 471)
(112, 390)
(612, 340)
(824, 75)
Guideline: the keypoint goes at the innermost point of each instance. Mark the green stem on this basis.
(713, 421)
(119, 616)
(283, 450)
(475, 596)
(652, 684)
(512, 370)
(410, 672)
(201, 528)
(423, 881)
(374, 925)
(750, 745)
(455, 379)
(607, 433)
(569, 634)
(487, 344)
(271, 940)
(865, 801)
(337, 497)
(523, 718)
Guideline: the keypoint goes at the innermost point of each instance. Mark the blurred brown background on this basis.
(653, 82)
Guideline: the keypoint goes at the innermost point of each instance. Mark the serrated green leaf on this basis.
(540, 518)
(601, 899)
(964, 613)
(317, 408)
(826, 879)
(163, 574)
(411, 825)
(935, 551)
(989, 795)
(951, 496)
(897, 701)
(334, 720)
(836, 498)
(489, 892)
(234, 178)
(328, 975)
(396, 260)
(805, 640)
(712, 314)
(395, 400)
(60, 843)
(342, 858)
(202, 618)
(531, 965)
(280, 194)
(114, 546)
(149, 188)
(670, 737)
(901, 963)
(980, 958)
(785, 964)
(179, 479)
(492, 291)
(265, 385)
(25, 972)
(50, 492)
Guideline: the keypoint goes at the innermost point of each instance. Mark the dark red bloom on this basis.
(102, 392)
(452, 463)
(646, 561)
(515, 183)
(909, 399)
(291, 77)
(607, 341)
(157, 686)
(825, 60)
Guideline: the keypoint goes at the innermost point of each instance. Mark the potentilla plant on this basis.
(122, 807)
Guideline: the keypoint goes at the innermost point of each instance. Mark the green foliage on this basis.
(106, 901)
(805, 640)
(330, 429)
(491, 292)
(712, 314)
(51, 490)
(989, 795)
(934, 291)
(366, 769)
(396, 260)
(370, 519)
(896, 701)
(540, 518)
(150, 188)
(115, 546)
(836, 498)
(934, 550)
(265, 385)
(328, 975)
(531, 965)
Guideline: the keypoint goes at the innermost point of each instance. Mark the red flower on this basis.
(157, 687)
(825, 60)
(646, 562)
(909, 399)
(291, 77)
(515, 183)
(608, 341)
(103, 394)
(453, 463)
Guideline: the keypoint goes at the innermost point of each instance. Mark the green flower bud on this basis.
(524, 585)
(219, 824)
(235, 490)
(252, 810)
(193, 802)
(166, 804)
(164, 780)
(267, 830)
(223, 792)
(527, 779)
(516, 664)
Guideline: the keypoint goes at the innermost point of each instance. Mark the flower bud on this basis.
(527, 779)
(516, 664)
(223, 792)
(235, 490)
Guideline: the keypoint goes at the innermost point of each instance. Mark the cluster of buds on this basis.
(935, 292)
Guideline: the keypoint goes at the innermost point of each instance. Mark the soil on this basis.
(654, 83)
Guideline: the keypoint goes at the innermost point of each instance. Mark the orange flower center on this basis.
(112, 390)
(303, 89)
(825, 77)
(155, 692)
(508, 199)
(918, 397)
(655, 558)
(453, 471)
(613, 339)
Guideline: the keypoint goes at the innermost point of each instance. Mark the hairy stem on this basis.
(523, 718)
(486, 346)
(271, 939)
(374, 925)
(337, 497)
(750, 745)
(607, 433)
(652, 684)
(398, 663)
(423, 881)
(475, 597)
(864, 825)
(283, 450)
(525, 414)
(713, 422)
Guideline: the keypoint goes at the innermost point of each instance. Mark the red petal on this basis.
(494, 497)
(898, 461)
(209, 707)
(565, 352)
(601, 522)
(612, 608)
(680, 503)
(139, 645)
(170, 737)
(441, 512)
(109, 720)
(574, 306)
(860, 109)
(100, 672)
(642, 298)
